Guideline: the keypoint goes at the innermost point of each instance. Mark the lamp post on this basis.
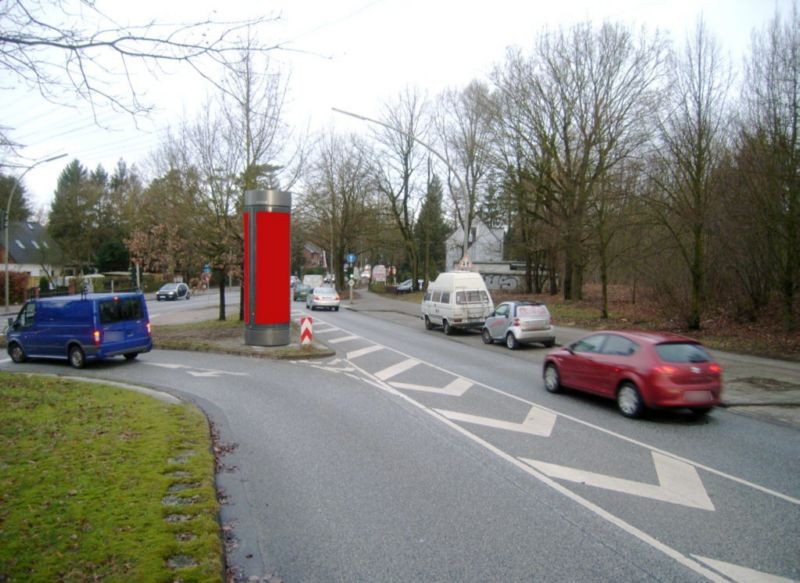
(8, 211)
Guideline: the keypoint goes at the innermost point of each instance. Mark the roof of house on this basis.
(312, 248)
(29, 242)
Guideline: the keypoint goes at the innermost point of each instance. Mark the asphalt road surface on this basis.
(414, 456)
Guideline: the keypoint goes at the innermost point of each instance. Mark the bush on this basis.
(17, 284)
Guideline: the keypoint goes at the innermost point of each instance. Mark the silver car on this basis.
(323, 297)
(518, 323)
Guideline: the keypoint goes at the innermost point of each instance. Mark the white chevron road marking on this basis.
(678, 482)
(538, 422)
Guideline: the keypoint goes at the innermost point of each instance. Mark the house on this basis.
(32, 251)
(485, 246)
(313, 256)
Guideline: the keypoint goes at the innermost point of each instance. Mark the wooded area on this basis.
(608, 154)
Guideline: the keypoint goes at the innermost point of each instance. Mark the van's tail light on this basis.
(98, 337)
(149, 330)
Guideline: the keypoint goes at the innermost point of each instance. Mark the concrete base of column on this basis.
(277, 335)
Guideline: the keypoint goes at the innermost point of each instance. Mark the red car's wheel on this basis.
(629, 400)
(552, 380)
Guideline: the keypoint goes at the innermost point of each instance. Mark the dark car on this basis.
(300, 292)
(173, 291)
(640, 370)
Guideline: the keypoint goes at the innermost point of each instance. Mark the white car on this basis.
(323, 297)
(518, 323)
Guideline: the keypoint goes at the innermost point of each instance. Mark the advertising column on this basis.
(267, 244)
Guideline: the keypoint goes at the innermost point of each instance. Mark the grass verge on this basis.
(102, 483)
(227, 337)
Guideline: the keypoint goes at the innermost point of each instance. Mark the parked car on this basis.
(300, 292)
(407, 286)
(456, 300)
(80, 328)
(518, 323)
(640, 370)
(173, 291)
(323, 297)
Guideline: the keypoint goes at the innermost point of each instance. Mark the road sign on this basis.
(305, 331)
(351, 258)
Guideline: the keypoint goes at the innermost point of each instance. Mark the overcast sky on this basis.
(352, 54)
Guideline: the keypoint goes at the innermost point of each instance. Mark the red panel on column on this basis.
(246, 273)
(272, 268)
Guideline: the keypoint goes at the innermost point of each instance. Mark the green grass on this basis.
(94, 482)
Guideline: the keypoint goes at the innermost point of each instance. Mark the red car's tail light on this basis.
(715, 368)
(665, 370)
(97, 336)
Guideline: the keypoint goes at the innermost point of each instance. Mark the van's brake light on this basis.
(97, 335)
(149, 331)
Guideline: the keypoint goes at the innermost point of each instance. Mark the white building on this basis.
(485, 245)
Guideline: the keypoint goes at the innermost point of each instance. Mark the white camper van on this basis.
(457, 300)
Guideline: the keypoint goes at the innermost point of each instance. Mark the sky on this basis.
(354, 55)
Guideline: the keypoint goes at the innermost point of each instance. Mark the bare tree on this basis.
(338, 203)
(771, 138)
(464, 125)
(581, 99)
(71, 48)
(690, 147)
(400, 140)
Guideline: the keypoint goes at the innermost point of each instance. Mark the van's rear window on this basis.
(120, 310)
(472, 297)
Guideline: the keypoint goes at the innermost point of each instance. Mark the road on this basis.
(414, 456)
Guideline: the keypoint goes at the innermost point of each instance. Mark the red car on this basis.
(639, 370)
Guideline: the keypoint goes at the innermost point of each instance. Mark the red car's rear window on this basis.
(682, 352)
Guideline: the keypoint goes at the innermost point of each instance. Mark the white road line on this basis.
(363, 351)
(538, 422)
(5, 360)
(344, 339)
(324, 330)
(742, 574)
(456, 388)
(396, 369)
(678, 483)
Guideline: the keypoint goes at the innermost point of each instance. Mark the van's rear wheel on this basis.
(77, 358)
(447, 328)
(16, 353)
(131, 355)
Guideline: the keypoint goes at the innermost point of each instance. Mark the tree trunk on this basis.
(222, 295)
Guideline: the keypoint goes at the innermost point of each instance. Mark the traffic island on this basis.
(225, 337)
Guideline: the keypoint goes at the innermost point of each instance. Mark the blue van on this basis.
(80, 328)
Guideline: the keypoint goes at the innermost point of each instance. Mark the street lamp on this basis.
(8, 211)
